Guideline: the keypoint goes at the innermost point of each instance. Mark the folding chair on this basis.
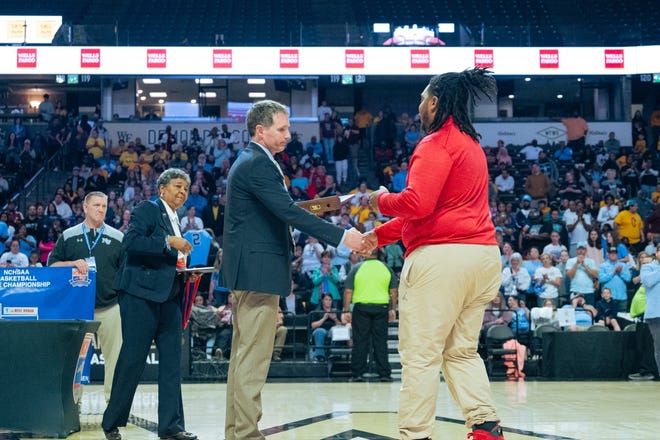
(496, 336)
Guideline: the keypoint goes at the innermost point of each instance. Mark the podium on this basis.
(39, 360)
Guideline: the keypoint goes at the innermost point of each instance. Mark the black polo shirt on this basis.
(107, 253)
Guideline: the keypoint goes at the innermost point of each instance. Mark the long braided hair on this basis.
(456, 92)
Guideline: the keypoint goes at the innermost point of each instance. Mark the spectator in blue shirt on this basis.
(614, 275)
(197, 200)
(582, 271)
(27, 243)
(107, 163)
(564, 153)
(300, 180)
(520, 322)
(533, 260)
(399, 179)
(650, 275)
(4, 234)
(317, 147)
(583, 312)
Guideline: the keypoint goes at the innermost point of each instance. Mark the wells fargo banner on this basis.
(298, 62)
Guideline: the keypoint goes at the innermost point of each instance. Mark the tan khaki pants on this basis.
(443, 293)
(280, 340)
(108, 338)
(255, 320)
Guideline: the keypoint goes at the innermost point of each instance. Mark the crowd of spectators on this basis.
(574, 223)
(127, 173)
(570, 220)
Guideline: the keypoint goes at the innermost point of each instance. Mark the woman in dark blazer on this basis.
(150, 290)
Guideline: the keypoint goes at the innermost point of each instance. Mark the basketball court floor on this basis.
(316, 410)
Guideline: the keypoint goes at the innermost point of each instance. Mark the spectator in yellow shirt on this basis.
(96, 152)
(629, 224)
(145, 168)
(147, 156)
(655, 195)
(360, 213)
(95, 144)
(363, 119)
(640, 145)
(128, 157)
(116, 150)
(162, 153)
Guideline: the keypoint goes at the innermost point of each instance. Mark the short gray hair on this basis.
(170, 174)
(94, 194)
(261, 113)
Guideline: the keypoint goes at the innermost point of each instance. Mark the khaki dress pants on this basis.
(443, 293)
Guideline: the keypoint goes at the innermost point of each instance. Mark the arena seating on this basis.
(326, 23)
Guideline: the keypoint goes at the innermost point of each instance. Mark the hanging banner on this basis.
(300, 61)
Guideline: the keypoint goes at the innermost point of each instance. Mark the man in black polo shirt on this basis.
(93, 245)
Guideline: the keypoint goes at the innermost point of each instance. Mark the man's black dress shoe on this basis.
(183, 435)
(113, 434)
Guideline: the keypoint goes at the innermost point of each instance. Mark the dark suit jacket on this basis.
(148, 268)
(257, 243)
(216, 224)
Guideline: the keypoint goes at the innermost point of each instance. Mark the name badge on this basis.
(91, 262)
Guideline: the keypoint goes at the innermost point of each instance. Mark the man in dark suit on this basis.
(257, 246)
(150, 292)
(213, 215)
(76, 180)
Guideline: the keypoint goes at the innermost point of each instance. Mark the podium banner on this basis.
(42, 293)
(46, 293)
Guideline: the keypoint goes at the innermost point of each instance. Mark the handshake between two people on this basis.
(365, 244)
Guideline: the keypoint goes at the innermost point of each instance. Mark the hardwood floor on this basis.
(343, 410)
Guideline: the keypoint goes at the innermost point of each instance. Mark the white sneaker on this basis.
(641, 376)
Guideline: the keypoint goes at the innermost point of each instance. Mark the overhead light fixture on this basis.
(35, 103)
(161, 101)
(256, 81)
(207, 94)
(150, 81)
(446, 28)
(579, 80)
(257, 94)
(381, 28)
(193, 101)
(528, 79)
(158, 94)
(140, 91)
(512, 96)
(560, 96)
(203, 80)
(143, 98)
